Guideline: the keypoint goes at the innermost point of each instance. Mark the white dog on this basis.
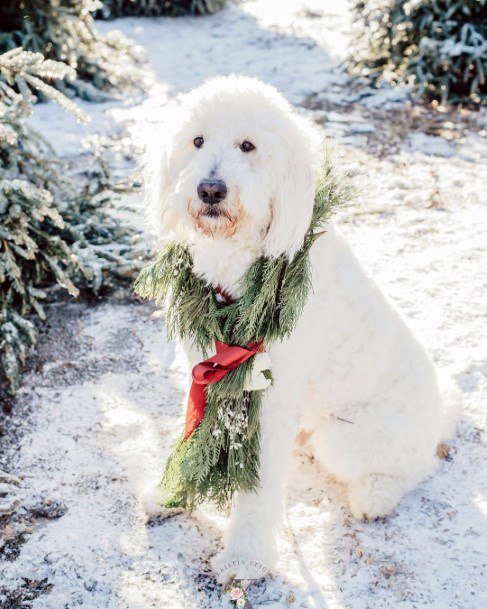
(234, 175)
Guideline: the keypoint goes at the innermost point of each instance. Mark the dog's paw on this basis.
(149, 502)
(375, 496)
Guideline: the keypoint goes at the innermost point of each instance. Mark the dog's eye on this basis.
(246, 146)
(198, 142)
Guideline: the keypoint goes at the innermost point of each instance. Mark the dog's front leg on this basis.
(250, 548)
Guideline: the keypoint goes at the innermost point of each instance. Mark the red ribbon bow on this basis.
(212, 370)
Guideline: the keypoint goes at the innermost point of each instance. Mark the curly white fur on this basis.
(352, 374)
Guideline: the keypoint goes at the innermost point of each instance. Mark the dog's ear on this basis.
(159, 146)
(292, 203)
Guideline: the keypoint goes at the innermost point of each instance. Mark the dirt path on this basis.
(101, 405)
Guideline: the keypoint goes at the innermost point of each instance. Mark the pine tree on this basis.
(437, 46)
(53, 232)
(63, 30)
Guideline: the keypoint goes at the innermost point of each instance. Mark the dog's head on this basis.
(235, 160)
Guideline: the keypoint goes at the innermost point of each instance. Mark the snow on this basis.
(431, 145)
(102, 403)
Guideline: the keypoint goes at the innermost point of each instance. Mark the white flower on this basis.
(257, 381)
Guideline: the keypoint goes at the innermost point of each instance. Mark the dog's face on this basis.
(222, 179)
(236, 161)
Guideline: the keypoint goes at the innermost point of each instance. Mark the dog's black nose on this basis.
(212, 191)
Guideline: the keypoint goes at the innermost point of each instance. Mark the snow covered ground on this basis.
(102, 401)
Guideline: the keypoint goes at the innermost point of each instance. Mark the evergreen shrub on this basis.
(63, 30)
(55, 232)
(437, 46)
(157, 8)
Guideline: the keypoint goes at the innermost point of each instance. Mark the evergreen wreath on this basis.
(221, 456)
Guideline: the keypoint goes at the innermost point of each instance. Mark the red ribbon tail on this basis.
(195, 410)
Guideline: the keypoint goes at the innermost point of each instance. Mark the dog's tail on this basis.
(452, 404)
